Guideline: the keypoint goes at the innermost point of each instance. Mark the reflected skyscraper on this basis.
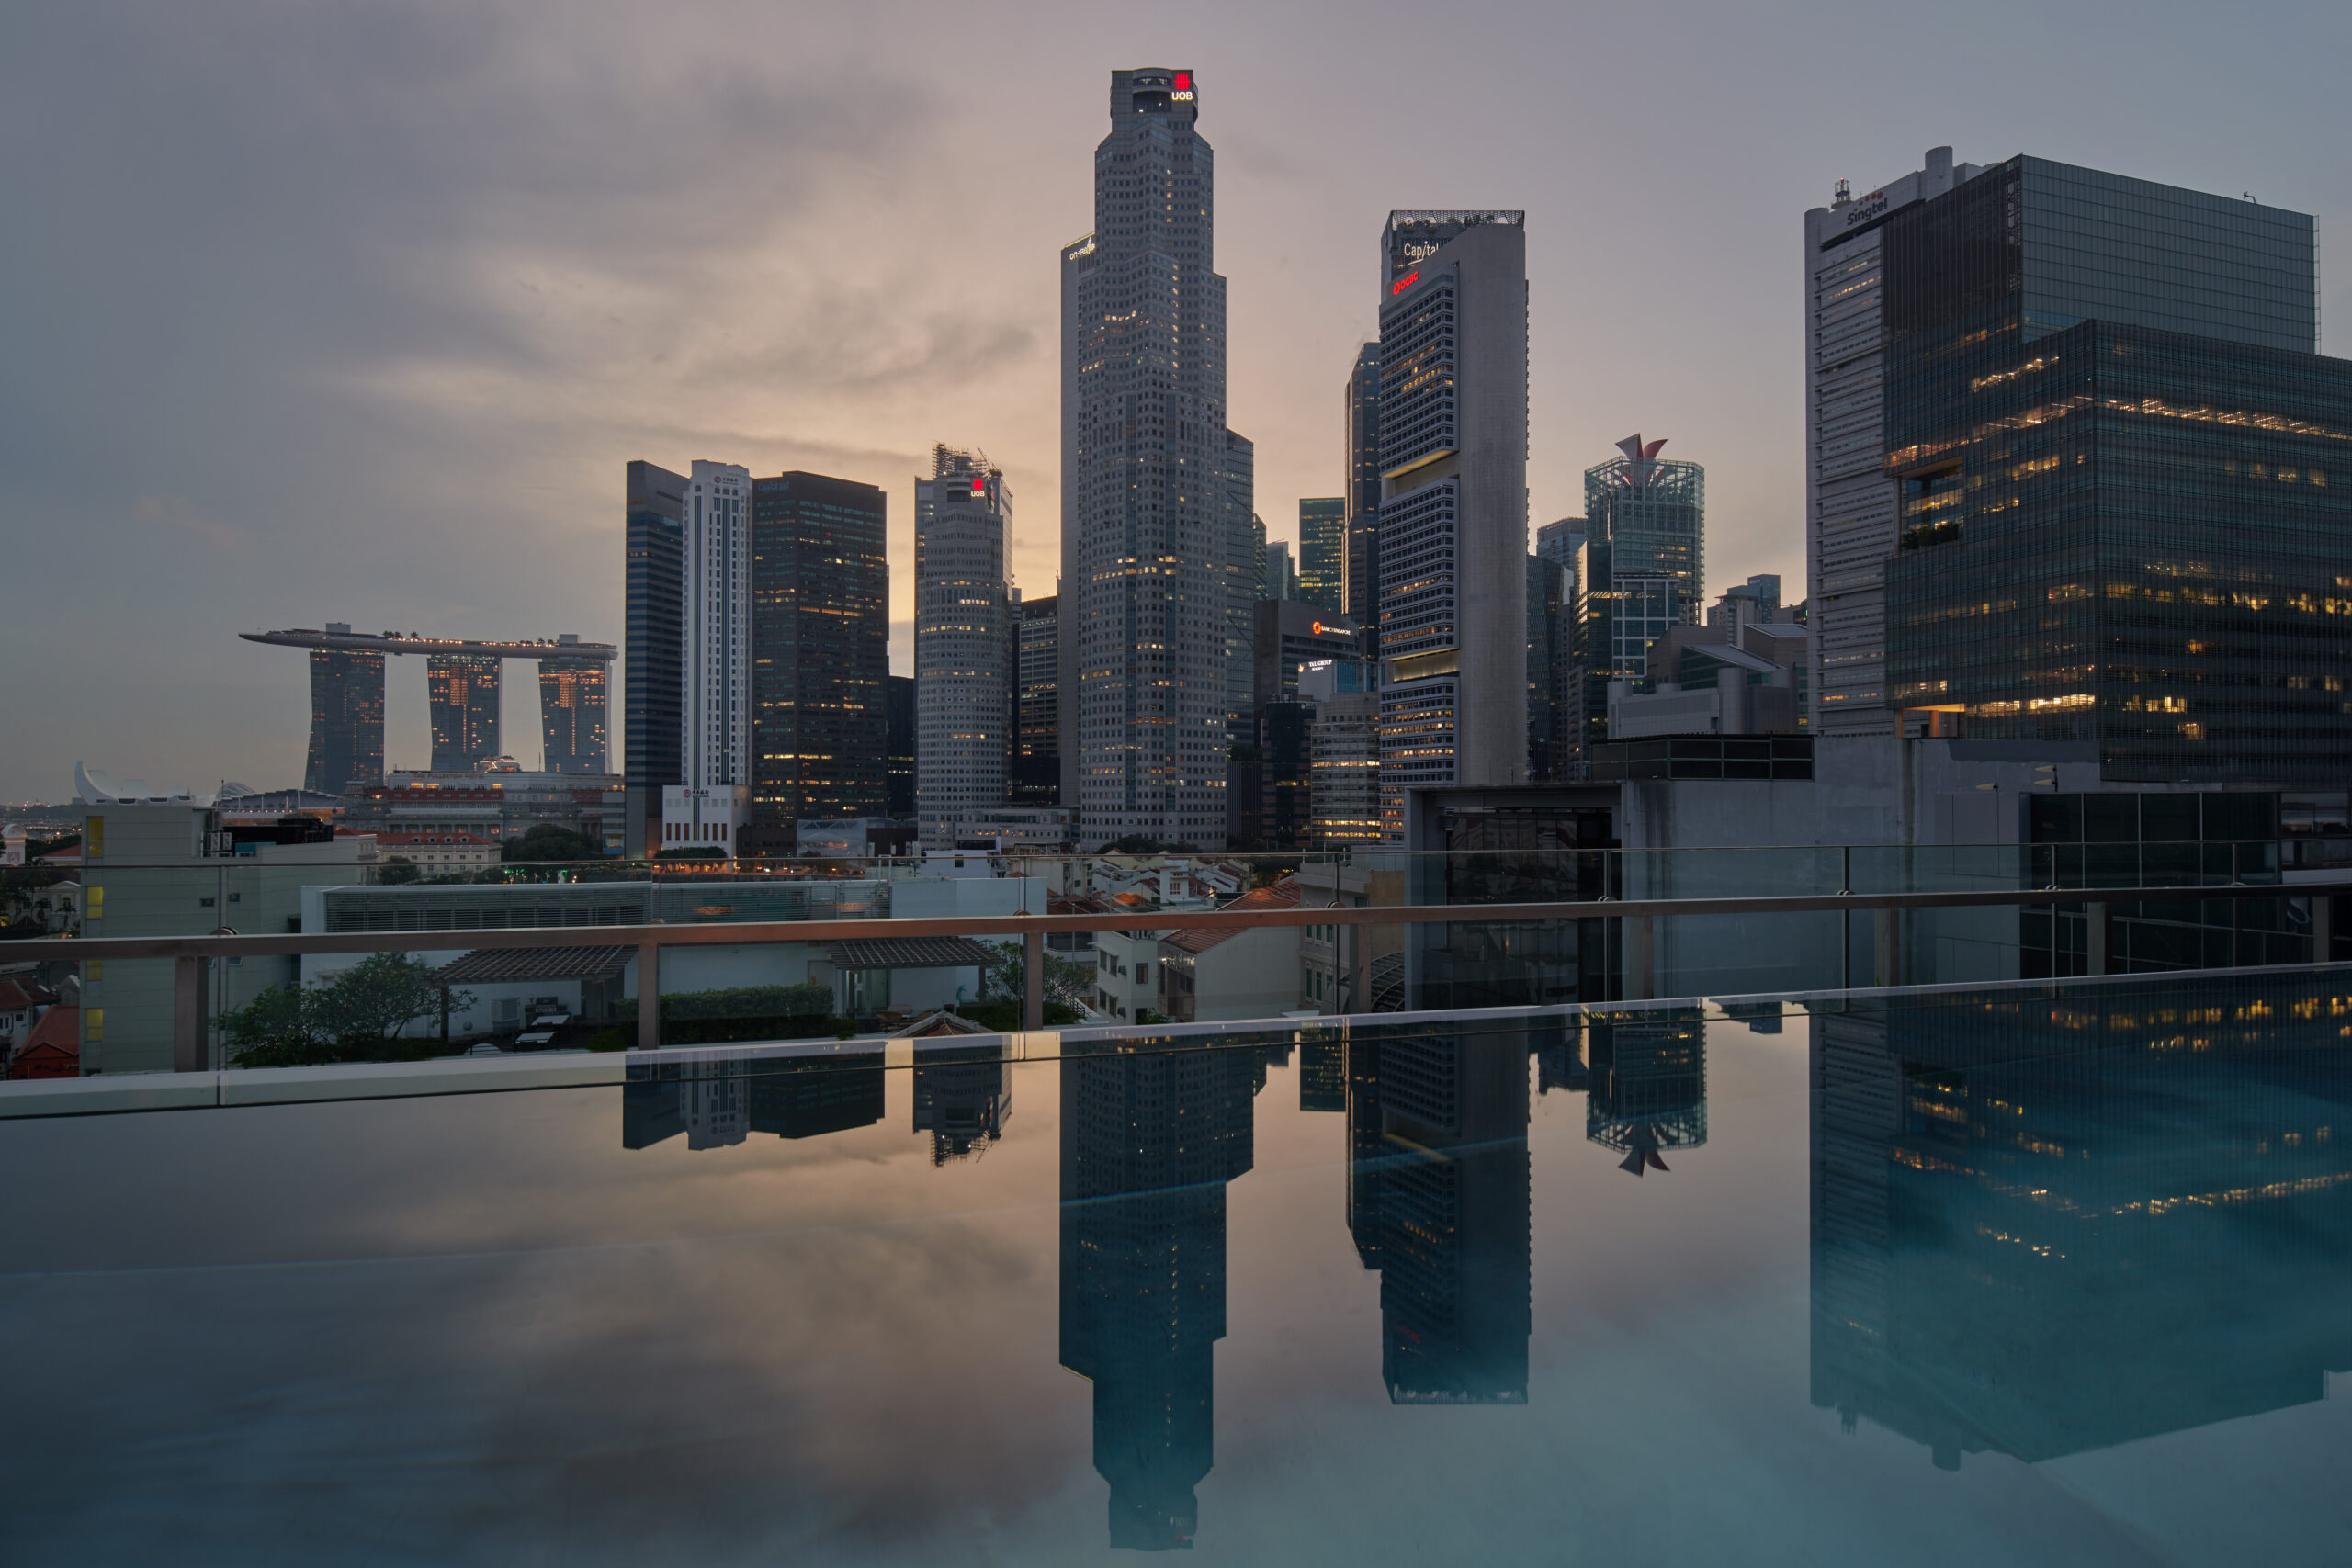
(963, 1105)
(2044, 1227)
(719, 1103)
(1437, 1200)
(1648, 1090)
(1148, 1143)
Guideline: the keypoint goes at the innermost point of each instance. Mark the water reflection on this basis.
(1148, 1143)
(2043, 1227)
(721, 1103)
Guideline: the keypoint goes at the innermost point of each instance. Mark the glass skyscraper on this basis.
(1653, 513)
(964, 644)
(571, 713)
(1323, 552)
(821, 648)
(1360, 568)
(2120, 472)
(653, 585)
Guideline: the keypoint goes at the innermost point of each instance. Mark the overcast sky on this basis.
(353, 312)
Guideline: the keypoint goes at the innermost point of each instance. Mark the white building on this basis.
(1453, 503)
(709, 807)
(1152, 485)
(1849, 526)
(963, 652)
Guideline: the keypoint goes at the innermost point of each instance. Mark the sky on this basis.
(355, 312)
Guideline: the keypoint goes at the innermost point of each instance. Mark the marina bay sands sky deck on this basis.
(462, 675)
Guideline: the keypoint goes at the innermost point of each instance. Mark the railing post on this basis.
(2095, 917)
(649, 995)
(1033, 979)
(1887, 943)
(1359, 969)
(1641, 957)
(2322, 927)
(187, 1015)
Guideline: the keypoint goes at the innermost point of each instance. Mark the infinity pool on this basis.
(2048, 1273)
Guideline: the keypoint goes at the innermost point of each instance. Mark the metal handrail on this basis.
(191, 950)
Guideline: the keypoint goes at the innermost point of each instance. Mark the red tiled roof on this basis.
(58, 1036)
(13, 996)
(1282, 894)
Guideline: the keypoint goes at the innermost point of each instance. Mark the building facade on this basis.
(1653, 511)
(1850, 499)
(715, 708)
(1036, 762)
(964, 643)
(821, 651)
(346, 719)
(1323, 552)
(1149, 481)
(1453, 502)
(1359, 460)
(571, 713)
(463, 691)
(2122, 514)
(654, 589)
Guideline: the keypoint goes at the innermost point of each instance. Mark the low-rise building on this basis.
(53, 1049)
(1208, 973)
(438, 853)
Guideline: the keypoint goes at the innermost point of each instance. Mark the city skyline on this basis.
(434, 328)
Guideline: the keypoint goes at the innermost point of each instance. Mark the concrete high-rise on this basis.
(464, 692)
(710, 803)
(653, 589)
(964, 647)
(1850, 499)
(346, 719)
(1323, 552)
(1453, 503)
(1360, 566)
(821, 654)
(1151, 483)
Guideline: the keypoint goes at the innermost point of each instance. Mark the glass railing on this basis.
(1130, 959)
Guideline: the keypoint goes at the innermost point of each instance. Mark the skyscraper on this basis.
(820, 653)
(654, 589)
(963, 681)
(1849, 499)
(1323, 552)
(1653, 511)
(1360, 566)
(2122, 522)
(1037, 768)
(346, 719)
(571, 713)
(1281, 580)
(464, 692)
(1453, 502)
(1245, 567)
(1149, 482)
(710, 803)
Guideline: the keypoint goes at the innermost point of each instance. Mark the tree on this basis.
(358, 1016)
(396, 870)
(1067, 981)
(552, 841)
(691, 851)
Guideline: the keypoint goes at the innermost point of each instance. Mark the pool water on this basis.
(2052, 1274)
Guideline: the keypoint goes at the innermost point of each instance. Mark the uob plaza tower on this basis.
(1147, 513)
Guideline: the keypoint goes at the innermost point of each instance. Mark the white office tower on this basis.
(1452, 504)
(1149, 482)
(1849, 526)
(707, 808)
(963, 642)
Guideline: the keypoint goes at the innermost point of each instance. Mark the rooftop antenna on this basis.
(1845, 193)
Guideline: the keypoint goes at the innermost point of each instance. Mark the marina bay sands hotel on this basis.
(348, 701)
